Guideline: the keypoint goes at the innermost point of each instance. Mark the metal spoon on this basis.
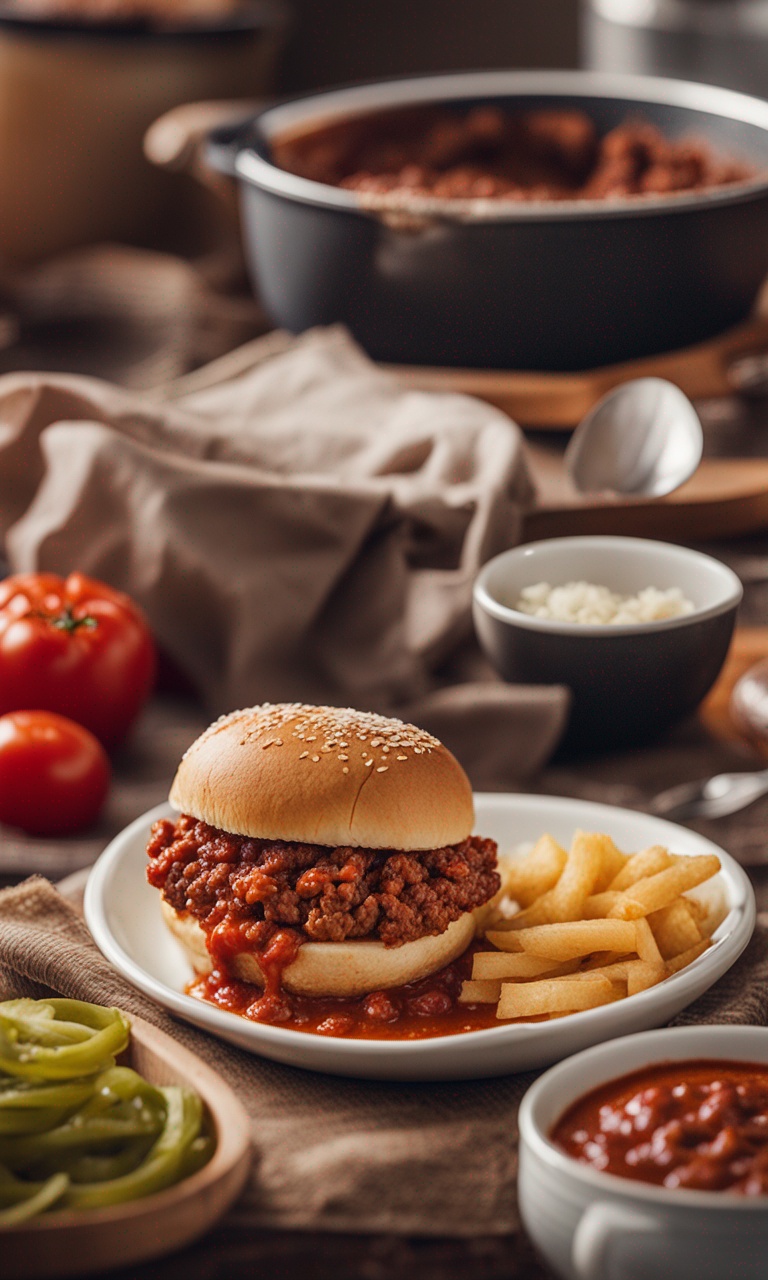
(726, 792)
(644, 439)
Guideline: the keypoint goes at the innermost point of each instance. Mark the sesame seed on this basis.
(343, 756)
(385, 749)
(382, 768)
(334, 726)
(345, 769)
(303, 755)
(316, 759)
(369, 762)
(402, 757)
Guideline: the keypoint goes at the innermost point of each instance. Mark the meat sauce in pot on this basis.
(491, 154)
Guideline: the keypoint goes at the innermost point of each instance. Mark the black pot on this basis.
(537, 286)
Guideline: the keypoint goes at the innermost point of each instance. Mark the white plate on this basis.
(122, 911)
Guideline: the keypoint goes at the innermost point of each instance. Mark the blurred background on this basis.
(337, 40)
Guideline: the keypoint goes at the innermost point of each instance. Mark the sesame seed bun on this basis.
(325, 775)
(331, 777)
(336, 968)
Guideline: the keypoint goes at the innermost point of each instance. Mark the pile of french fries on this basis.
(581, 928)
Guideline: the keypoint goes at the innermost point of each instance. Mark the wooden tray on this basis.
(726, 498)
(75, 1244)
(559, 400)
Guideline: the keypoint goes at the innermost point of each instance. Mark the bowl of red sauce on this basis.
(648, 1157)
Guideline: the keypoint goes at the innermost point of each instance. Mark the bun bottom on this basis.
(352, 968)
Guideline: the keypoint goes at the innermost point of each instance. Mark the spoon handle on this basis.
(715, 797)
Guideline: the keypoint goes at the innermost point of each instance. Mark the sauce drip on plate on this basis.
(416, 1011)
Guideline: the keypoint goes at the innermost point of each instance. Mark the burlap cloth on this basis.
(332, 1154)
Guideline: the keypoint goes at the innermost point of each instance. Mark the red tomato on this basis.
(75, 646)
(54, 775)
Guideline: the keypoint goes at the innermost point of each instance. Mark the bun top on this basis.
(325, 775)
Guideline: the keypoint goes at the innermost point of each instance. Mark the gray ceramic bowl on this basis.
(629, 682)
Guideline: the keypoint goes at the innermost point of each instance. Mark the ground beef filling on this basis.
(491, 154)
(254, 887)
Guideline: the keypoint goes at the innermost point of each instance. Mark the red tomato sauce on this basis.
(701, 1126)
(416, 1011)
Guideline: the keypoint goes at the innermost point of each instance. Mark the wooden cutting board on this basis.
(726, 498)
(750, 645)
(558, 401)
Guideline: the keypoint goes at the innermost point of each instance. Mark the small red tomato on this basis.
(75, 646)
(54, 774)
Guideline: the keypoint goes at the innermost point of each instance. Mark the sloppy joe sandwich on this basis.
(319, 852)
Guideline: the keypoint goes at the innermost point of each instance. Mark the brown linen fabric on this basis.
(333, 1154)
(305, 529)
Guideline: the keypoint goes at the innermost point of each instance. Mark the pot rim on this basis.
(329, 106)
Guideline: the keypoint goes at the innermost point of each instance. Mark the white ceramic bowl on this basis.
(596, 1226)
(123, 914)
(629, 682)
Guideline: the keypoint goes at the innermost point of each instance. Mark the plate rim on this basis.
(340, 1050)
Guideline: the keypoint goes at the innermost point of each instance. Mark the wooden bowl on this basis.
(73, 1243)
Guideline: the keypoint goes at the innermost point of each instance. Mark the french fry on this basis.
(554, 995)
(687, 957)
(641, 865)
(697, 909)
(674, 928)
(571, 939)
(504, 939)
(612, 861)
(615, 971)
(598, 905)
(503, 964)
(711, 913)
(594, 926)
(476, 992)
(578, 879)
(641, 975)
(657, 891)
(601, 958)
(646, 946)
(539, 912)
(526, 879)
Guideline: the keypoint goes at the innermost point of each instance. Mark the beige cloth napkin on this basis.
(306, 529)
(333, 1154)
